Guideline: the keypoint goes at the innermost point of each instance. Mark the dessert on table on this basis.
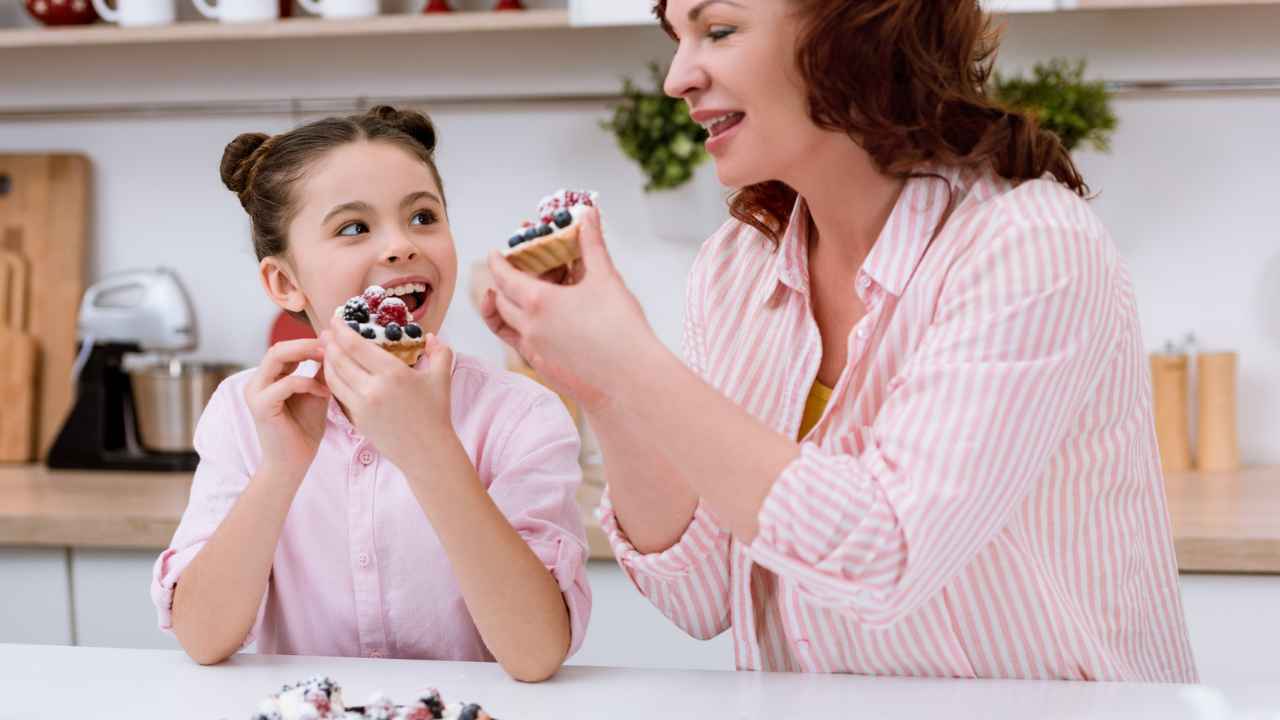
(320, 698)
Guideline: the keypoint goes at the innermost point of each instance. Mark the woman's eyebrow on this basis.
(357, 206)
(697, 9)
(412, 198)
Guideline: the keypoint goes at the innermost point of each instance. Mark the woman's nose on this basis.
(685, 75)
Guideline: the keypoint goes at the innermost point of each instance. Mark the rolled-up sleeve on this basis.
(688, 582)
(535, 485)
(1021, 333)
(220, 478)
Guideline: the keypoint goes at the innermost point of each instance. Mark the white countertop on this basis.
(61, 682)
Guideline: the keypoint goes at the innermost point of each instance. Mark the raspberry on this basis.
(393, 310)
(373, 296)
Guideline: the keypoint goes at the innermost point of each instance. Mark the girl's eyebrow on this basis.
(355, 206)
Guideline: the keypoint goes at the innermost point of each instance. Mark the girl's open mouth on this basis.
(414, 295)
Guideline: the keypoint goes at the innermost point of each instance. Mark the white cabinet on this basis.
(35, 596)
(112, 600)
(1234, 622)
(611, 12)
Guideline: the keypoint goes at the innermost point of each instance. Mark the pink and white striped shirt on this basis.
(983, 495)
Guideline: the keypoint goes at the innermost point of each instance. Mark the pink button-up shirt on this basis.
(358, 570)
(983, 495)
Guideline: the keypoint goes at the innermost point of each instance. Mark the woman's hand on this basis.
(579, 337)
(288, 410)
(400, 409)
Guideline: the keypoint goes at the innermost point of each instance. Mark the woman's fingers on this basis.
(518, 287)
(595, 256)
(283, 358)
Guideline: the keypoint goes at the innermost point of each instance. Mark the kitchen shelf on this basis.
(289, 28)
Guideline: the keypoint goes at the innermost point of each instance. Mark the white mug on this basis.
(133, 13)
(341, 8)
(233, 11)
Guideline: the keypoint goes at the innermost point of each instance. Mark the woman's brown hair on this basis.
(262, 169)
(906, 80)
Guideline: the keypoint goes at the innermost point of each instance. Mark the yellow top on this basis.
(819, 396)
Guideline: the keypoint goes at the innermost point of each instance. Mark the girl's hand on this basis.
(402, 410)
(579, 337)
(288, 410)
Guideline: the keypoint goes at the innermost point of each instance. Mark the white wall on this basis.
(1189, 191)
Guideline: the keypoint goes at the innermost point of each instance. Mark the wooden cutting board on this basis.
(17, 364)
(44, 216)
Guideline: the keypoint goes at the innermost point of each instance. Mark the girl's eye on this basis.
(353, 229)
(423, 217)
(720, 32)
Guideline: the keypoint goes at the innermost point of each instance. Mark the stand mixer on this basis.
(130, 312)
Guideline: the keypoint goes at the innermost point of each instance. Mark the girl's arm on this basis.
(216, 603)
(515, 602)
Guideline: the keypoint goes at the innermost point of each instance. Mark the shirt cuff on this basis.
(699, 540)
(566, 559)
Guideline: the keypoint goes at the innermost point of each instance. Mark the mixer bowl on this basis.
(169, 397)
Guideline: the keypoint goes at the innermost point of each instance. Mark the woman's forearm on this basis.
(653, 503)
(728, 457)
(216, 601)
(513, 599)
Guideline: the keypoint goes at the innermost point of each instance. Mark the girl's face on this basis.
(735, 67)
(369, 213)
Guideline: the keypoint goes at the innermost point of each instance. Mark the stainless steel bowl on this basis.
(169, 398)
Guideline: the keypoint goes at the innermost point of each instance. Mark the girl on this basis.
(372, 510)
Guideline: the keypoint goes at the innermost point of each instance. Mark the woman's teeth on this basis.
(402, 290)
(715, 126)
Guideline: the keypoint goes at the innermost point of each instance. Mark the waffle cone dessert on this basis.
(552, 241)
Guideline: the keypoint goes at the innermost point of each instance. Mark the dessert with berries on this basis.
(385, 318)
(321, 699)
(551, 241)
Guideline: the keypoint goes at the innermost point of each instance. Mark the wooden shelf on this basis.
(290, 28)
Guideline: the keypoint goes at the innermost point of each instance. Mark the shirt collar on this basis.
(915, 219)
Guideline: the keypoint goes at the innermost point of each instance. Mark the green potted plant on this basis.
(1057, 94)
(656, 132)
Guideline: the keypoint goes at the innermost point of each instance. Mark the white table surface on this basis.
(42, 681)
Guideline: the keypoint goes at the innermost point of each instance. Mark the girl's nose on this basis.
(685, 76)
(399, 250)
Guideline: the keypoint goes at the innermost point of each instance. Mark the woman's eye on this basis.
(423, 217)
(720, 32)
(353, 229)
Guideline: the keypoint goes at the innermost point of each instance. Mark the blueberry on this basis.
(544, 230)
(515, 240)
(530, 233)
(393, 332)
(413, 330)
(470, 712)
(354, 325)
(563, 218)
(368, 333)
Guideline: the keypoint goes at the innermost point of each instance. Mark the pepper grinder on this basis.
(1170, 384)
(1217, 447)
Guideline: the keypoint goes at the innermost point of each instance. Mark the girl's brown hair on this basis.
(906, 80)
(262, 169)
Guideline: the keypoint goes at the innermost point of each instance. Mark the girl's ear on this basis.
(281, 285)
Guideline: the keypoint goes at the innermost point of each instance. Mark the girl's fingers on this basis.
(281, 390)
(283, 358)
(343, 391)
(341, 367)
(371, 358)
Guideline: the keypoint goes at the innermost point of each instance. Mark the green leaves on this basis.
(656, 131)
(1063, 101)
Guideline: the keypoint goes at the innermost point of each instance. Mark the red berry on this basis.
(373, 297)
(393, 310)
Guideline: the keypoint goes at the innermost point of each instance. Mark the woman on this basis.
(913, 430)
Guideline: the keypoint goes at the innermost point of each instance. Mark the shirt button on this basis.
(363, 559)
(864, 282)
(366, 458)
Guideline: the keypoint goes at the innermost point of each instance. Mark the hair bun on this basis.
(410, 122)
(238, 160)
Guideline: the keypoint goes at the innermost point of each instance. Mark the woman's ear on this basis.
(281, 285)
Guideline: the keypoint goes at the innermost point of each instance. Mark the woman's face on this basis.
(735, 67)
(369, 213)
